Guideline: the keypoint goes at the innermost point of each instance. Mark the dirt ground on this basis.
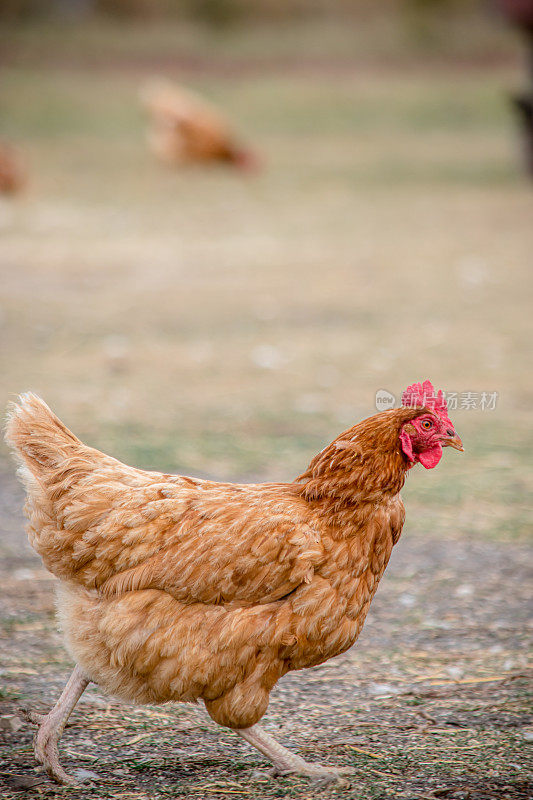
(228, 326)
(431, 702)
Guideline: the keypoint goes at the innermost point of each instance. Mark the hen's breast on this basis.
(331, 610)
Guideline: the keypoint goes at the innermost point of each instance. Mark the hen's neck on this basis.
(364, 465)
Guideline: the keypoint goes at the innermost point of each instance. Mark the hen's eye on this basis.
(427, 424)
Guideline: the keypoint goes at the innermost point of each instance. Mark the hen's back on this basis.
(101, 524)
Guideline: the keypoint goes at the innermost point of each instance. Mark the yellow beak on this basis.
(453, 441)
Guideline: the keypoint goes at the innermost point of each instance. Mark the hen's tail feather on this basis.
(55, 464)
(39, 440)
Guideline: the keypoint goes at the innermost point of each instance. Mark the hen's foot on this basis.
(52, 725)
(46, 752)
(32, 716)
(316, 773)
(45, 748)
(287, 763)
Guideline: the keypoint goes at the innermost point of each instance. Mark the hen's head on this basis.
(423, 437)
(245, 159)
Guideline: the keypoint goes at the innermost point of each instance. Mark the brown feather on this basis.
(175, 588)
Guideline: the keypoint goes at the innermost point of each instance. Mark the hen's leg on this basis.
(285, 762)
(51, 727)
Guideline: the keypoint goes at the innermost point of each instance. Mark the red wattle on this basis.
(430, 458)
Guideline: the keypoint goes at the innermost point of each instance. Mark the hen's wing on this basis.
(102, 524)
(217, 544)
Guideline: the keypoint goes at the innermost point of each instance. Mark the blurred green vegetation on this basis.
(203, 322)
(192, 32)
(222, 12)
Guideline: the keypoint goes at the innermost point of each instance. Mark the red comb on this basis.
(423, 395)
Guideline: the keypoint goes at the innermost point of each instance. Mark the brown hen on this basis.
(177, 589)
(185, 128)
(12, 170)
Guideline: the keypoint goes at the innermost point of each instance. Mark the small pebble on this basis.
(9, 723)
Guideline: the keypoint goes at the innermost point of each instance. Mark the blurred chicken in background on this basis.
(520, 14)
(12, 170)
(185, 128)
